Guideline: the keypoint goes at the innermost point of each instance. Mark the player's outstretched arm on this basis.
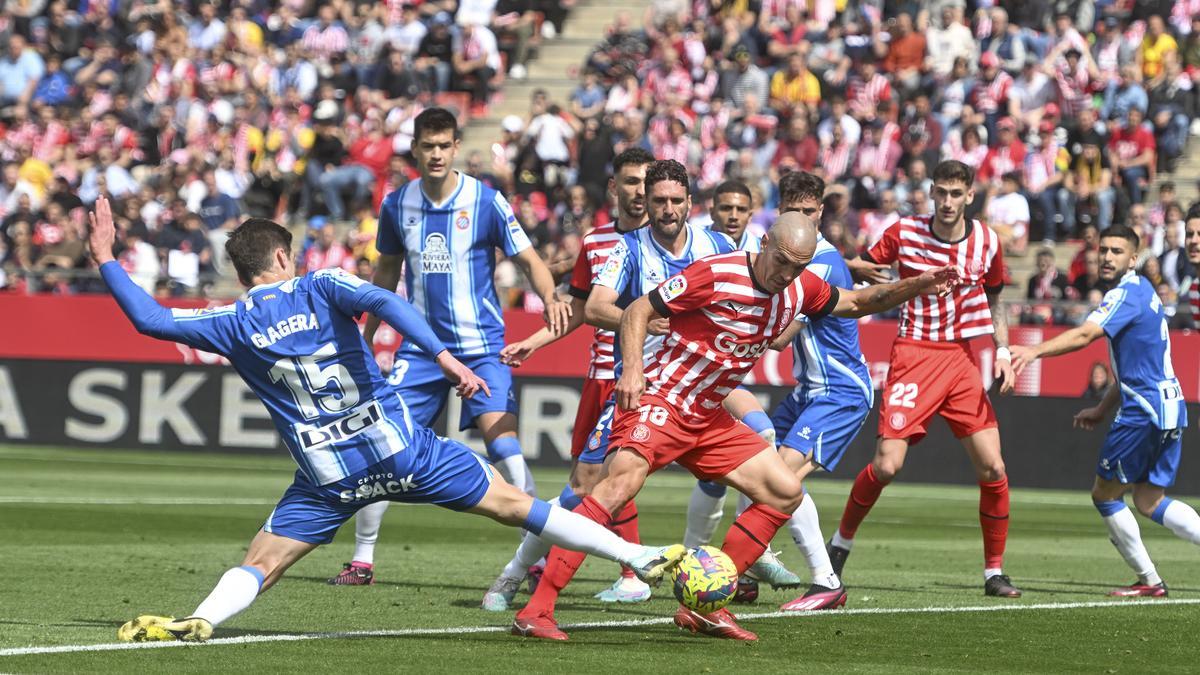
(1064, 343)
(518, 352)
(869, 271)
(557, 313)
(856, 303)
(387, 277)
(634, 324)
(601, 308)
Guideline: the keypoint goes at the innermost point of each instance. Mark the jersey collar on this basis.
(753, 279)
(462, 180)
(687, 248)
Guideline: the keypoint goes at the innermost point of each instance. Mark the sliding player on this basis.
(1141, 451)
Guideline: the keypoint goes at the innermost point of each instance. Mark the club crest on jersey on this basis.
(975, 268)
(786, 318)
(674, 288)
(463, 220)
(594, 442)
(640, 433)
(897, 420)
(435, 255)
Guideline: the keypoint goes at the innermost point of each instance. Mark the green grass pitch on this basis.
(89, 539)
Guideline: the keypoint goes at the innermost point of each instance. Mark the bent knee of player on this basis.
(991, 472)
(584, 477)
(786, 493)
(886, 468)
(1146, 501)
(626, 474)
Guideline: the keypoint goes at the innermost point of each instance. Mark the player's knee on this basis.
(1146, 503)
(788, 493)
(886, 468)
(992, 472)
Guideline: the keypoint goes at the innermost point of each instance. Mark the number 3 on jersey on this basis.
(903, 395)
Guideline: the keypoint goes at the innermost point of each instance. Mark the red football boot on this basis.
(719, 624)
(540, 626)
(1139, 590)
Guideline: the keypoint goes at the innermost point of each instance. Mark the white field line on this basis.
(150, 501)
(465, 630)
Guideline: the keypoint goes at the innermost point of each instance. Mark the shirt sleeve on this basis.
(209, 329)
(819, 297)
(690, 289)
(1116, 311)
(617, 269)
(387, 237)
(507, 234)
(354, 296)
(581, 276)
(886, 250)
(993, 279)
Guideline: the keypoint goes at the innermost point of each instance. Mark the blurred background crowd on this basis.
(193, 115)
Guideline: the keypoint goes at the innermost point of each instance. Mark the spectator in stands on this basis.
(1170, 95)
(1098, 383)
(1124, 94)
(513, 23)
(187, 252)
(949, 40)
(1089, 280)
(1004, 41)
(1044, 176)
(1158, 46)
(395, 82)
(435, 54)
(1131, 149)
(743, 78)
(327, 151)
(1047, 282)
(798, 145)
(905, 55)
(326, 252)
(1173, 260)
(364, 166)
(476, 60)
(877, 221)
(1089, 197)
(795, 91)
(1008, 214)
(1089, 241)
(589, 98)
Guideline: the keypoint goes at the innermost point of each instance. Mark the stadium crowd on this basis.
(193, 115)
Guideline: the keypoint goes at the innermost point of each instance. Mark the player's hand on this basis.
(515, 354)
(1022, 356)
(1088, 418)
(629, 389)
(557, 314)
(466, 382)
(941, 280)
(102, 234)
(1002, 372)
(869, 272)
(660, 326)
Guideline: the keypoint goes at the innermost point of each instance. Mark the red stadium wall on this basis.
(92, 328)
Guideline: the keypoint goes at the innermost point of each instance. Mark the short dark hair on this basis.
(734, 187)
(434, 120)
(797, 185)
(1193, 212)
(953, 171)
(1124, 232)
(667, 169)
(251, 246)
(635, 156)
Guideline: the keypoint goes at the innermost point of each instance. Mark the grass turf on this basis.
(93, 538)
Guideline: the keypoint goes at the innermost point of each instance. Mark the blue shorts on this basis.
(824, 426)
(433, 470)
(596, 448)
(423, 387)
(1140, 453)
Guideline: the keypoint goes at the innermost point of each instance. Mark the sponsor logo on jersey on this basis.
(806, 433)
(346, 427)
(379, 488)
(293, 324)
(674, 288)
(897, 420)
(640, 433)
(435, 255)
(728, 343)
(463, 220)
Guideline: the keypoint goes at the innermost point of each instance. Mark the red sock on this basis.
(862, 497)
(993, 520)
(625, 525)
(562, 564)
(751, 532)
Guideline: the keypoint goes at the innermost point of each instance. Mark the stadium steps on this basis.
(556, 69)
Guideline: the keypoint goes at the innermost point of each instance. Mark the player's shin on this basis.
(625, 526)
(750, 534)
(505, 453)
(532, 549)
(1178, 518)
(1126, 536)
(705, 508)
(805, 528)
(863, 495)
(236, 590)
(993, 520)
(366, 531)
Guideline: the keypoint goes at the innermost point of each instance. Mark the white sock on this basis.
(516, 471)
(1124, 533)
(234, 592)
(805, 527)
(1183, 521)
(743, 503)
(573, 531)
(531, 550)
(989, 572)
(366, 531)
(841, 542)
(703, 516)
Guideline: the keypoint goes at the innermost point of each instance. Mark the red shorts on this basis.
(591, 403)
(710, 449)
(933, 377)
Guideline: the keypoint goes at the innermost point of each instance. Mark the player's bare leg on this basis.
(983, 449)
(499, 431)
(826, 590)
(889, 459)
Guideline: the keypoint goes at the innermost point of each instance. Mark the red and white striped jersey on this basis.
(964, 313)
(593, 253)
(990, 97)
(722, 321)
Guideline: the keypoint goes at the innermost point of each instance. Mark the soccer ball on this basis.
(705, 580)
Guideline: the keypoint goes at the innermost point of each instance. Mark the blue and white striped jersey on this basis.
(750, 241)
(1135, 322)
(450, 259)
(638, 264)
(828, 357)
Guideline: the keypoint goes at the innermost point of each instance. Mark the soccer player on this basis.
(1191, 242)
(715, 319)
(444, 228)
(1142, 448)
(627, 186)
(296, 344)
(819, 419)
(932, 369)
